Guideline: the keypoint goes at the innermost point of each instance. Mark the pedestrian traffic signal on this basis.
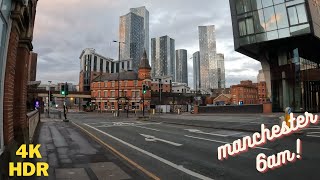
(144, 89)
(62, 90)
(51, 97)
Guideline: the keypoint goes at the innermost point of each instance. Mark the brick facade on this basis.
(15, 126)
(246, 91)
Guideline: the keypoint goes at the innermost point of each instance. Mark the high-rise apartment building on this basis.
(208, 65)
(163, 57)
(181, 66)
(134, 32)
(196, 70)
(143, 12)
(220, 71)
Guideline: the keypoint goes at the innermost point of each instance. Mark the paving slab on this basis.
(108, 170)
(71, 174)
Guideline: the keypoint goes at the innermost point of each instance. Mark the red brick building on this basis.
(246, 92)
(161, 83)
(16, 47)
(104, 89)
(262, 92)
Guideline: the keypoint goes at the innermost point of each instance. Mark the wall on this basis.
(232, 109)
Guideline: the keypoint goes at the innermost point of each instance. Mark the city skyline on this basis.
(172, 21)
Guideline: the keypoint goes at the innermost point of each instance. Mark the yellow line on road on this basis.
(119, 154)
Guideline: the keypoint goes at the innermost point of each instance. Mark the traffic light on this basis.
(51, 97)
(62, 90)
(144, 89)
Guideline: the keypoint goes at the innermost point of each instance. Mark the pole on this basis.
(100, 92)
(143, 104)
(119, 81)
(49, 99)
(65, 102)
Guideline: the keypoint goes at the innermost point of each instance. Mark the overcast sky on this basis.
(63, 28)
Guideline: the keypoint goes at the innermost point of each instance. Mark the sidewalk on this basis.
(73, 155)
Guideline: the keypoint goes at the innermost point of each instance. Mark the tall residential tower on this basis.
(163, 57)
(181, 66)
(134, 32)
(196, 70)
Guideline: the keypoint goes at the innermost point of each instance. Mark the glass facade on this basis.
(182, 66)
(285, 43)
(163, 57)
(196, 70)
(265, 20)
(134, 29)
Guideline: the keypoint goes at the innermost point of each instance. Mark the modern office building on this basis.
(143, 12)
(131, 33)
(219, 58)
(163, 57)
(196, 71)
(260, 76)
(208, 65)
(93, 64)
(285, 37)
(181, 66)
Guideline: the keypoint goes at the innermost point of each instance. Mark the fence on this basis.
(33, 120)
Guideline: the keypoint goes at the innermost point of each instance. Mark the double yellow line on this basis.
(149, 174)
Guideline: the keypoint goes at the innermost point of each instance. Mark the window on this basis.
(101, 65)
(99, 93)
(256, 4)
(105, 93)
(112, 94)
(270, 19)
(112, 105)
(4, 15)
(243, 6)
(126, 83)
(106, 84)
(107, 67)
(112, 83)
(297, 14)
(259, 25)
(281, 16)
(135, 82)
(267, 3)
(246, 27)
(105, 105)
(95, 63)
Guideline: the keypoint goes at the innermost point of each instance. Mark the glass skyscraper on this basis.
(134, 32)
(196, 70)
(163, 57)
(284, 35)
(220, 70)
(208, 65)
(181, 66)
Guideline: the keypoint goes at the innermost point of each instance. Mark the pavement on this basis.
(183, 151)
(72, 154)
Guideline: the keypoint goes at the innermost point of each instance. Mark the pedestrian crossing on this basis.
(313, 131)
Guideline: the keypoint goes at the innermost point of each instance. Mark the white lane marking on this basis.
(313, 132)
(313, 136)
(155, 139)
(236, 134)
(223, 142)
(313, 128)
(179, 167)
(146, 128)
(201, 132)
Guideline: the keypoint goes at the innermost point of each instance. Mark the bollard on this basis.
(179, 111)
(287, 115)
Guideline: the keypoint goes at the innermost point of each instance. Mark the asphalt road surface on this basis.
(170, 151)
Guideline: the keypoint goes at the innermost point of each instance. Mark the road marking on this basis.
(313, 128)
(181, 168)
(201, 132)
(119, 154)
(313, 136)
(222, 142)
(313, 132)
(154, 139)
(146, 128)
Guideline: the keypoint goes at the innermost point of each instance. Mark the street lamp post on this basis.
(118, 75)
(49, 98)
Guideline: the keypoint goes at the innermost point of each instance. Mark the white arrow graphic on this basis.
(154, 139)
(201, 132)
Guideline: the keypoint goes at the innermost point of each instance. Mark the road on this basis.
(171, 151)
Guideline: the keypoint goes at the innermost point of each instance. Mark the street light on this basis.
(118, 75)
(49, 99)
